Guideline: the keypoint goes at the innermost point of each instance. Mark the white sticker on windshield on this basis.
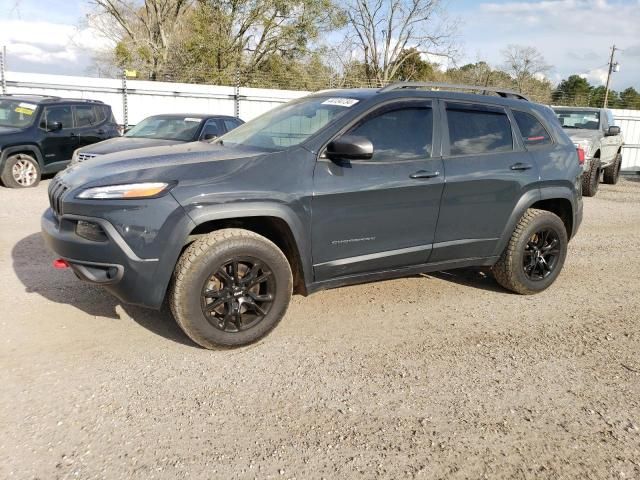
(341, 102)
(30, 106)
(191, 119)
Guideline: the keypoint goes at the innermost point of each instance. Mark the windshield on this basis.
(587, 120)
(14, 113)
(289, 124)
(166, 128)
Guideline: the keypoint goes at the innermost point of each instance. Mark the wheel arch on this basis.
(275, 223)
(16, 149)
(555, 199)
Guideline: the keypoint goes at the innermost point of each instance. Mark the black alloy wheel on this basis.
(541, 254)
(238, 295)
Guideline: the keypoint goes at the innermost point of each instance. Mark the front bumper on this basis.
(111, 263)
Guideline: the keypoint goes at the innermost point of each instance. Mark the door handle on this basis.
(424, 174)
(521, 166)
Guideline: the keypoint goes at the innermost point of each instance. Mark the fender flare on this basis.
(261, 209)
(8, 151)
(526, 201)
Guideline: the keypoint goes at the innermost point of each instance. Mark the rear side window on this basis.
(474, 130)
(85, 116)
(533, 132)
(400, 133)
(230, 124)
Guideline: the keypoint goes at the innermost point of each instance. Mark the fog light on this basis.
(90, 231)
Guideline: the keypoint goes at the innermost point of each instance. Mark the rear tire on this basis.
(20, 171)
(591, 179)
(612, 172)
(534, 255)
(230, 288)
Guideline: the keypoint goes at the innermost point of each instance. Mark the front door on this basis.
(487, 173)
(377, 214)
(58, 145)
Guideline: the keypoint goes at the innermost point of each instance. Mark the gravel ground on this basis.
(433, 376)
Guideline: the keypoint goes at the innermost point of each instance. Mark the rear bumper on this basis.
(109, 263)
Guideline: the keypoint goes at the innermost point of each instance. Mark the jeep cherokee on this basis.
(336, 188)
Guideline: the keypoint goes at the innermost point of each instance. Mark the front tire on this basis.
(230, 288)
(534, 255)
(20, 171)
(591, 179)
(612, 172)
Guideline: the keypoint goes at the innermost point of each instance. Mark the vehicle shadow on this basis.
(474, 277)
(32, 265)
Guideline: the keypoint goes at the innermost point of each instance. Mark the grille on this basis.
(86, 156)
(57, 189)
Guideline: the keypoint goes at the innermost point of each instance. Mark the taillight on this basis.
(580, 151)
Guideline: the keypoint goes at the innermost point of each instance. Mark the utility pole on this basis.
(613, 66)
(3, 63)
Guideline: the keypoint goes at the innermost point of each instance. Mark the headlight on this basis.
(131, 190)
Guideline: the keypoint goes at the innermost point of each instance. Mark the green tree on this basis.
(630, 99)
(573, 91)
(413, 67)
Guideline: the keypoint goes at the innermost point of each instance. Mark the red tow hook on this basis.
(60, 264)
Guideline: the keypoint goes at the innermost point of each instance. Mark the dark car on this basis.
(161, 130)
(38, 134)
(336, 188)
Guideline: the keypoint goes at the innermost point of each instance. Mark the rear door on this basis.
(58, 146)
(487, 172)
(90, 123)
(377, 214)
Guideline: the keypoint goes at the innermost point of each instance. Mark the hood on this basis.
(582, 134)
(194, 160)
(9, 130)
(118, 144)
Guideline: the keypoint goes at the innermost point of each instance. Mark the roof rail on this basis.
(446, 86)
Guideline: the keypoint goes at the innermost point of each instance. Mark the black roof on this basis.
(43, 99)
(440, 92)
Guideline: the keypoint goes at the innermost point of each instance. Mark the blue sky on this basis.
(52, 36)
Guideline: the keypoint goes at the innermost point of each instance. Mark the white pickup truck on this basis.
(593, 130)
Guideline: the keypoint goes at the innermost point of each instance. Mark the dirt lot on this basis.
(434, 376)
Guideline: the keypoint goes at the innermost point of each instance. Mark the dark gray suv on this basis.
(336, 188)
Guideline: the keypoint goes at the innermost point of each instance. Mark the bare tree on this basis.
(524, 64)
(143, 31)
(383, 29)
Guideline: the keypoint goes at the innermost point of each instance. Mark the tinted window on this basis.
(210, 128)
(85, 116)
(167, 127)
(230, 124)
(101, 112)
(403, 133)
(477, 130)
(533, 133)
(57, 114)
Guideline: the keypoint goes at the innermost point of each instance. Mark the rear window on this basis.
(475, 130)
(533, 132)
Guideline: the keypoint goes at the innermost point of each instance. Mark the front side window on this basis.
(289, 124)
(210, 128)
(476, 130)
(533, 132)
(230, 124)
(60, 114)
(579, 119)
(398, 133)
(166, 127)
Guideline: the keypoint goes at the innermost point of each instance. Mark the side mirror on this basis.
(54, 127)
(613, 131)
(209, 136)
(350, 147)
